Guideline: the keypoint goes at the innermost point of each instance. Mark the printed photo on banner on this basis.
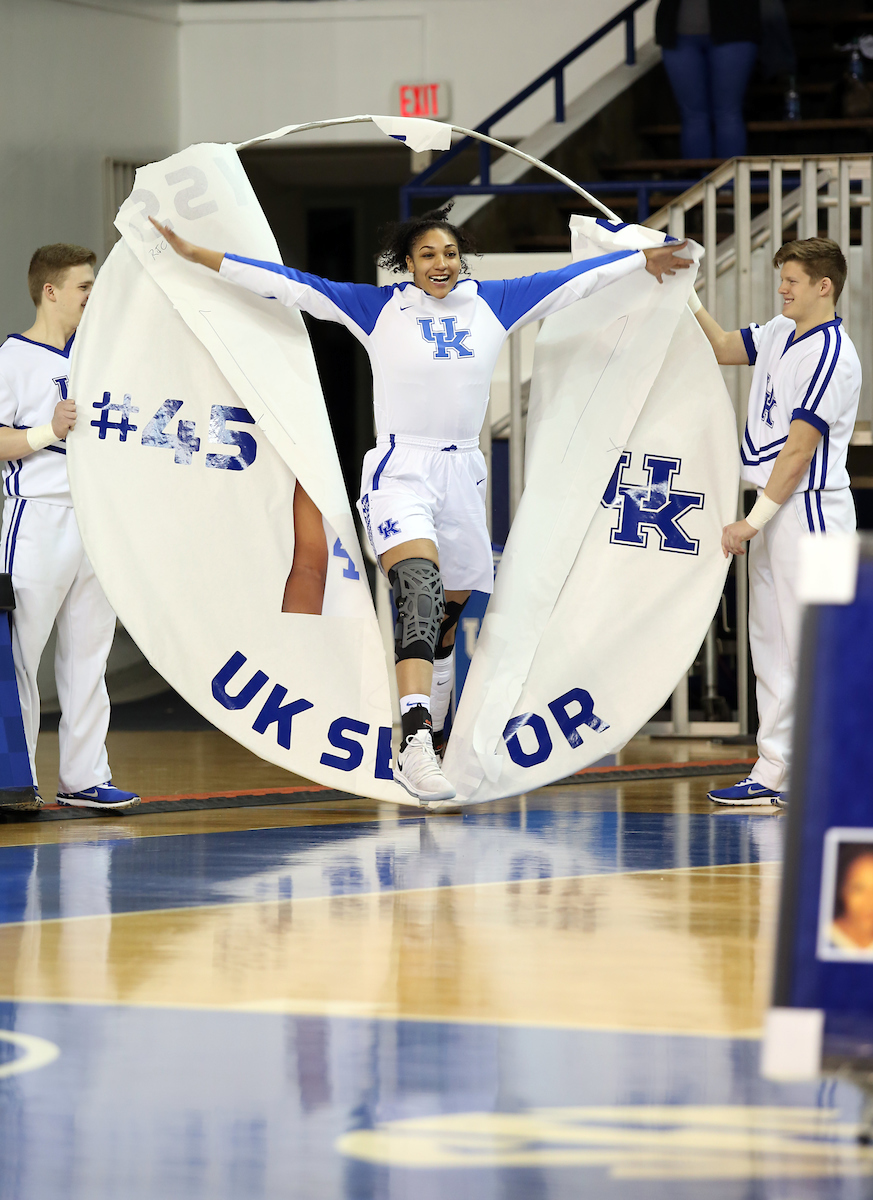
(845, 922)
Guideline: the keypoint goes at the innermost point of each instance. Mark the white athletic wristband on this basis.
(41, 436)
(763, 510)
(694, 301)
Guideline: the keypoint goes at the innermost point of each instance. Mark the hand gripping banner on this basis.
(613, 566)
(202, 429)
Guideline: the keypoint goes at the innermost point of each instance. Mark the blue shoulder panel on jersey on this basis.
(362, 302)
(510, 299)
(811, 418)
(749, 343)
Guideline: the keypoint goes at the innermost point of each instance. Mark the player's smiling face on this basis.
(435, 263)
(801, 296)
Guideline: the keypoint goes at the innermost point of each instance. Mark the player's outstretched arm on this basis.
(790, 466)
(729, 347)
(18, 443)
(187, 250)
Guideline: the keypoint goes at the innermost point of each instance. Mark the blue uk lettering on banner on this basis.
(655, 505)
(568, 722)
(275, 711)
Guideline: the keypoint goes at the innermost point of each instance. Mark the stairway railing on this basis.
(421, 186)
(818, 194)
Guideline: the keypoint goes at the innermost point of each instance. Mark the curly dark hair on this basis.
(398, 238)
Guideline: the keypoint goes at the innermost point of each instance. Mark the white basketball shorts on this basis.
(419, 488)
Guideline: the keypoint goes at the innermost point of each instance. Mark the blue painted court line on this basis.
(137, 875)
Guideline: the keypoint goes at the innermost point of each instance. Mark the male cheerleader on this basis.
(42, 550)
(802, 408)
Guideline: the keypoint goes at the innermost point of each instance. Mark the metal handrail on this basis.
(554, 74)
(641, 187)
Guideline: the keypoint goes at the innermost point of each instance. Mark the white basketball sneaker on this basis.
(418, 771)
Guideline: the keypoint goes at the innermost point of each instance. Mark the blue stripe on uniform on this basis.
(838, 342)
(760, 455)
(381, 467)
(760, 458)
(820, 513)
(13, 479)
(749, 343)
(14, 536)
(821, 362)
(8, 536)
(808, 512)
(362, 302)
(512, 299)
(824, 459)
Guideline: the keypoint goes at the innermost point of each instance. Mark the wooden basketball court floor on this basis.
(551, 997)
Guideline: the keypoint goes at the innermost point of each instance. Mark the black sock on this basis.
(412, 721)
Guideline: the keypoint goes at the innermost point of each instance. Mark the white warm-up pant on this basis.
(774, 624)
(54, 581)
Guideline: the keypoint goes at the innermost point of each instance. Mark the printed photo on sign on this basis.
(845, 922)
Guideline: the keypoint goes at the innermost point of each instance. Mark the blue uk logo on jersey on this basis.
(446, 339)
(655, 505)
(389, 528)
(769, 404)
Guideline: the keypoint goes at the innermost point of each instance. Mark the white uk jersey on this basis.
(432, 359)
(814, 378)
(33, 378)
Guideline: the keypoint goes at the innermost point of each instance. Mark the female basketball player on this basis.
(433, 344)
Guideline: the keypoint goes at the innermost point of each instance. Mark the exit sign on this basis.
(422, 100)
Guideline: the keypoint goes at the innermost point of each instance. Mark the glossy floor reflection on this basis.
(546, 998)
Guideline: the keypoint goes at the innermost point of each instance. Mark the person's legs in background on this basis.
(687, 69)
(731, 65)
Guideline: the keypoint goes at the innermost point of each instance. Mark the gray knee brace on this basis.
(420, 600)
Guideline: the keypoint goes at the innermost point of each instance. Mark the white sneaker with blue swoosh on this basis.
(103, 795)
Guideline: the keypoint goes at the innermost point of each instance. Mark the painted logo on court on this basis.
(657, 505)
(33, 1053)
(678, 1142)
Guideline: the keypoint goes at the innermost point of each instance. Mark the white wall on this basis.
(76, 83)
(84, 79)
(250, 68)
